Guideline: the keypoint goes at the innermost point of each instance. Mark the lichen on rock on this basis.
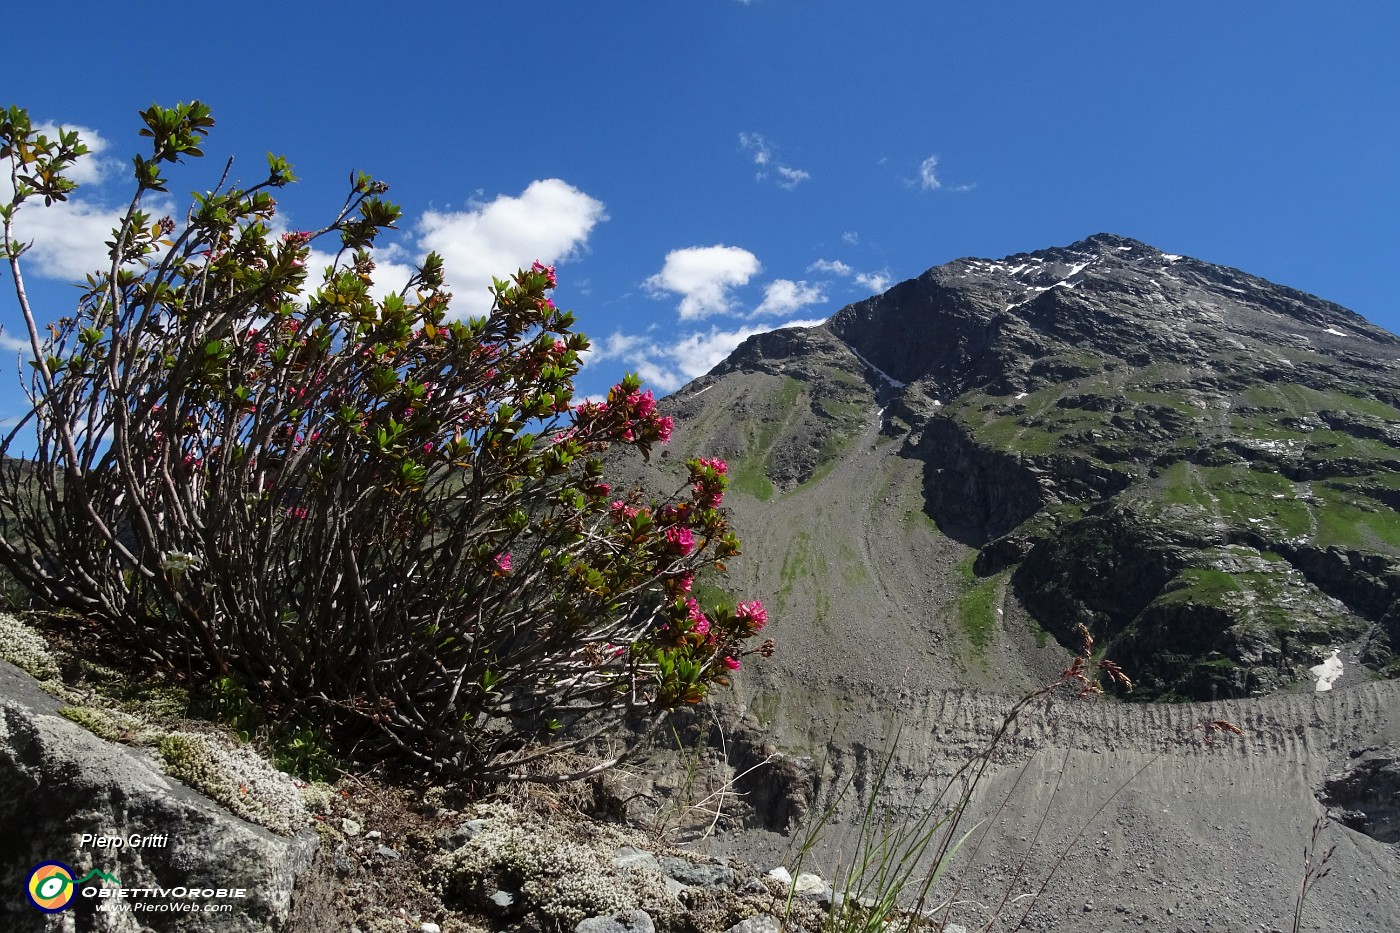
(103, 723)
(563, 880)
(26, 649)
(236, 778)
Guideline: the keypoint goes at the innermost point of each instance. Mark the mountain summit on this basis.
(985, 324)
(1200, 466)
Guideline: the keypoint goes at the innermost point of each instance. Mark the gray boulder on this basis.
(62, 789)
(631, 921)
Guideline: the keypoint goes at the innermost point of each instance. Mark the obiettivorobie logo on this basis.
(51, 885)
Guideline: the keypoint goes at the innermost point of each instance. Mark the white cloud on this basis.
(763, 156)
(91, 168)
(756, 144)
(671, 366)
(850, 238)
(69, 237)
(784, 296)
(928, 181)
(834, 266)
(392, 270)
(703, 276)
(790, 178)
(13, 344)
(699, 353)
(618, 346)
(877, 282)
(550, 221)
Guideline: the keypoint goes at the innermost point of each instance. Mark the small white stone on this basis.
(430, 928)
(782, 876)
(349, 827)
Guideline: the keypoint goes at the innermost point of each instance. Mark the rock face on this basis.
(59, 782)
(1366, 791)
(1200, 466)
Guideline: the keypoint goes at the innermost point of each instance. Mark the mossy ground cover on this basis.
(1038, 424)
(1304, 400)
(1323, 513)
(1011, 424)
(1178, 484)
(1200, 586)
(829, 412)
(749, 473)
(803, 570)
(1246, 497)
(1165, 399)
(977, 606)
(1285, 440)
(1260, 589)
(830, 454)
(1352, 520)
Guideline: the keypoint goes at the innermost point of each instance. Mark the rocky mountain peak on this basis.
(1198, 464)
(979, 323)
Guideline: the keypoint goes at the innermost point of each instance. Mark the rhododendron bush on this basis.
(374, 518)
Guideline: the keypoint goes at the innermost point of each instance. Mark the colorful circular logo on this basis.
(51, 887)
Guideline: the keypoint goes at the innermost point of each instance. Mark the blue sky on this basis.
(703, 169)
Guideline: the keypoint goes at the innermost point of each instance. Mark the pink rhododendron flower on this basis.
(664, 425)
(502, 562)
(753, 613)
(643, 402)
(699, 623)
(681, 539)
(708, 497)
(548, 271)
(731, 663)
